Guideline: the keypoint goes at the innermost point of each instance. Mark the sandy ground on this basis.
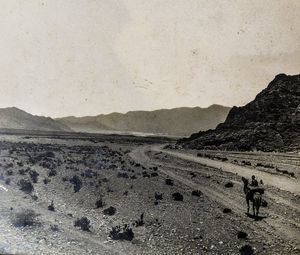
(130, 175)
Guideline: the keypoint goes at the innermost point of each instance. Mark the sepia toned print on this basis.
(149, 127)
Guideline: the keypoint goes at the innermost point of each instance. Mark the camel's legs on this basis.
(257, 209)
(247, 205)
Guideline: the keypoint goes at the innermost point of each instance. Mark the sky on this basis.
(89, 57)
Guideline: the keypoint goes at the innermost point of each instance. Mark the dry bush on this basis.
(118, 233)
(83, 223)
(25, 218)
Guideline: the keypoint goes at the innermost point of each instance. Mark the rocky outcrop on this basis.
(271, 122)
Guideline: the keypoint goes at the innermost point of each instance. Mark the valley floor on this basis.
(164, 201)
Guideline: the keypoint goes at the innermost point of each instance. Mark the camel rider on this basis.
(254, 182)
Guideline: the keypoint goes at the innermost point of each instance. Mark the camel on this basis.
(254, 195)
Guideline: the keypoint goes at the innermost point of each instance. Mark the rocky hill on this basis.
(178, 121)
(271, 122)
(14, 118)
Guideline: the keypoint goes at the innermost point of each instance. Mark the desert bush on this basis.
(33, 175)
(51, 207)
(26, 186)
(227, 210)
(110, 211)
(140, 221)
(20, 164)
(77, 183)
(49, 154)
(246, 250)
(158, 196)
(145, 174)
(25, 218)
(52, 173)
(169, 182)
(83, 223)
(196, 193)
(34, 197)
(22, 172)
(154, 174)
(177, 196)
(122, 175)
(264, 203)
(193, 175)
(118, 233)
(242, 235)
(10, 172)
(46, 181)
(247, 163)
(54, 227)
(99, 203)
(229, 185)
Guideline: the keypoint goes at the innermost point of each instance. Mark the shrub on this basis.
(24, 219)
(122, 175)
(229, 185)
(26, 186)
(77, 183)
(9, 172)
(140, 222)
(110, 211)
(227, 210)
(99, 203)
(52, 173)
(118, 233)
(83, 223)
(158, 196)
(177, 196)
(154, 174)
(34, 176)
(54, 227)
(246, 250)
(169, 182)
(242, 235)
(46, 181)
(22, 172)
(196, 193)
(264, 203)
(51, 207)
(7, 181)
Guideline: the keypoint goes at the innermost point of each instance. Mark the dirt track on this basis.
(273, 220)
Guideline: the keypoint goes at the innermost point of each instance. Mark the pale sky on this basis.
(87, 57)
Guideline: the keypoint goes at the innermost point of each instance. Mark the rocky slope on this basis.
(179, 121)
(14, 118)
(271, 122)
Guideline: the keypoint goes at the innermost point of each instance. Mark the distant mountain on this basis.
(14, 118)
(178, 121)
(271, 122)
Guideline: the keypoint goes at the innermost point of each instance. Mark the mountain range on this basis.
(177, 122)
(174, 122)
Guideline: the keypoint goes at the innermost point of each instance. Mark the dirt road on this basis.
(281, 218)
